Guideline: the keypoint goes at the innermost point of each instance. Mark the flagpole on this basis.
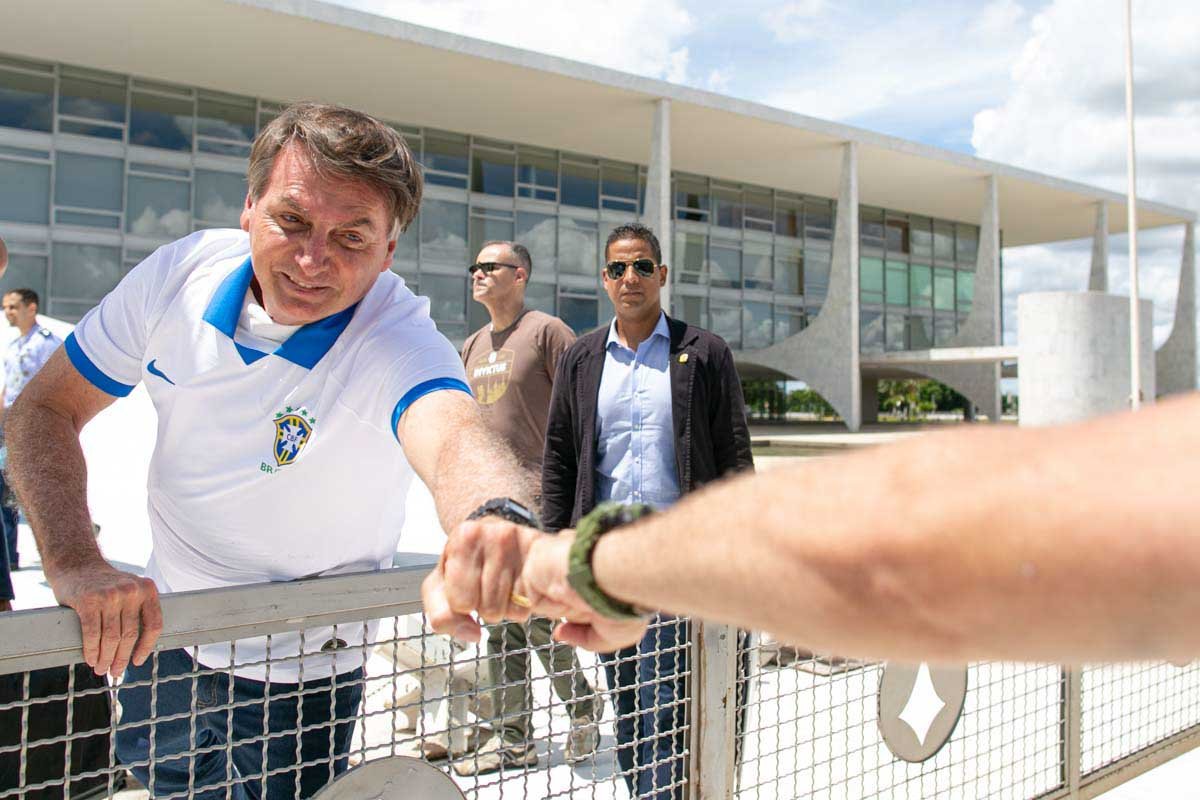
(1135, 350)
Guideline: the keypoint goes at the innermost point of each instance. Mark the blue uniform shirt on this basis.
(24, 357)
(635, 452)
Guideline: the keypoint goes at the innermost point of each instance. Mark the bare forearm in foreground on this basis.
(1072, 544)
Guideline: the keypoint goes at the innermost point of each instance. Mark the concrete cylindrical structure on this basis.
(1074, 355)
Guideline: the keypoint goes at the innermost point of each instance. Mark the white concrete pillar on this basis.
(657, 212)
(825, 354)
(844, 267)
(1176, 359)
(1098, 278)
(980, 383)
(1074, 355)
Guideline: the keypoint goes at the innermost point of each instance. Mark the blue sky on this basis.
(1033, 83)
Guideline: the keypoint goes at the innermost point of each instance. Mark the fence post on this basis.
(1072, 703)
(713, 711)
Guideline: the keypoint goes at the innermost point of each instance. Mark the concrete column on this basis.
(844, 270)
(870, 401)
(1074, 355)
(980, 383)
(1098, 278)
(1175, 361)
(825, 354)
(657, 213)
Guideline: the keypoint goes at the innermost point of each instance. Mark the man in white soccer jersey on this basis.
(300, 387)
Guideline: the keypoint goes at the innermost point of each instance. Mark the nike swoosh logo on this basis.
(153, 370)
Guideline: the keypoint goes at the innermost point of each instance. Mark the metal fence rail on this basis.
(274, 690)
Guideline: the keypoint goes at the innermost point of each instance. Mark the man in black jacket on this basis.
(643, 410)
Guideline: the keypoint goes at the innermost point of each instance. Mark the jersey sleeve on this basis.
(427, 363)
(108, 343)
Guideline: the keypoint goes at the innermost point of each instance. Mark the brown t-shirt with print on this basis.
(511, 373)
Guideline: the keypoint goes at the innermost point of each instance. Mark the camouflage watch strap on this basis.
(599, 521)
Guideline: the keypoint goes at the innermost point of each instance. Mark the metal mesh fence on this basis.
(812, 732)
(1129, 707)
(517, 715)
(293, 701)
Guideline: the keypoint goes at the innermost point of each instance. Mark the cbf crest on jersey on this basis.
(293, 429)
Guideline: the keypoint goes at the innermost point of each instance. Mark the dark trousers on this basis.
(649, 683)
(232, 738)
(37, 719)
(9, 514)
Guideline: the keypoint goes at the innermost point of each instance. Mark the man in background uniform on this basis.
(510, 368)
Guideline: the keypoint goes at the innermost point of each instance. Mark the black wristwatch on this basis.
(509, 509)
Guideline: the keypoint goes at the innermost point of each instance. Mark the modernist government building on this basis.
(821, 252)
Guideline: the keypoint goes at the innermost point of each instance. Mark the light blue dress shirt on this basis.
(636, 439)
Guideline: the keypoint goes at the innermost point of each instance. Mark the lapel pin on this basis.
(683, 358)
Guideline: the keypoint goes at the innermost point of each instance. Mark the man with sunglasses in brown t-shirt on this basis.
(510, 368)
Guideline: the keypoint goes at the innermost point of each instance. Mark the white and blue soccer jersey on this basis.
(268, 466)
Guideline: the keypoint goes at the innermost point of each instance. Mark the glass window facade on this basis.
(88, 190)
(580, 309)
(162, 118)
(579, 184)
(145, 162)
(220, 197)
(158, 207)
(758, 328)
(26, 95)
(26, 271)
(24, 189)
(926, 267)
(83, 273)
(725, 320)
(493, 171)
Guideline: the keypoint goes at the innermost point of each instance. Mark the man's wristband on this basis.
(509, 509)
(599, 521)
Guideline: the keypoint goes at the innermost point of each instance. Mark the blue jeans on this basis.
(649, 682)
(232, 731)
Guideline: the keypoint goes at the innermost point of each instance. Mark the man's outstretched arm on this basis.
(119, 613)
(464, 465)
(1070, 544)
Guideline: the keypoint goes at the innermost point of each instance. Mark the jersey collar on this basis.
(304, 348)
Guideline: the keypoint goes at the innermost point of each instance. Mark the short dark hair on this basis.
(27, 296)
(635, 230)
(346, 143)
(519, 250)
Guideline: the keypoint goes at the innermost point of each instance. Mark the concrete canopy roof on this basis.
(302, 49)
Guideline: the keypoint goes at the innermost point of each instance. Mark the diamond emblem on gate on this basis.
(923, 706)
(919, 708)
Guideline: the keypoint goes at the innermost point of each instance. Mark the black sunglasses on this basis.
(642, 266)
(488, 267)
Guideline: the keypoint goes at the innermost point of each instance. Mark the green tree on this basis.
(806, 401)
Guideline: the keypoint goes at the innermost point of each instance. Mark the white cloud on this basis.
(718, 80)
(1065, 114)
(795, 22)
(998, 18)
(639, 36)
(929, 61)
(677, 66)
